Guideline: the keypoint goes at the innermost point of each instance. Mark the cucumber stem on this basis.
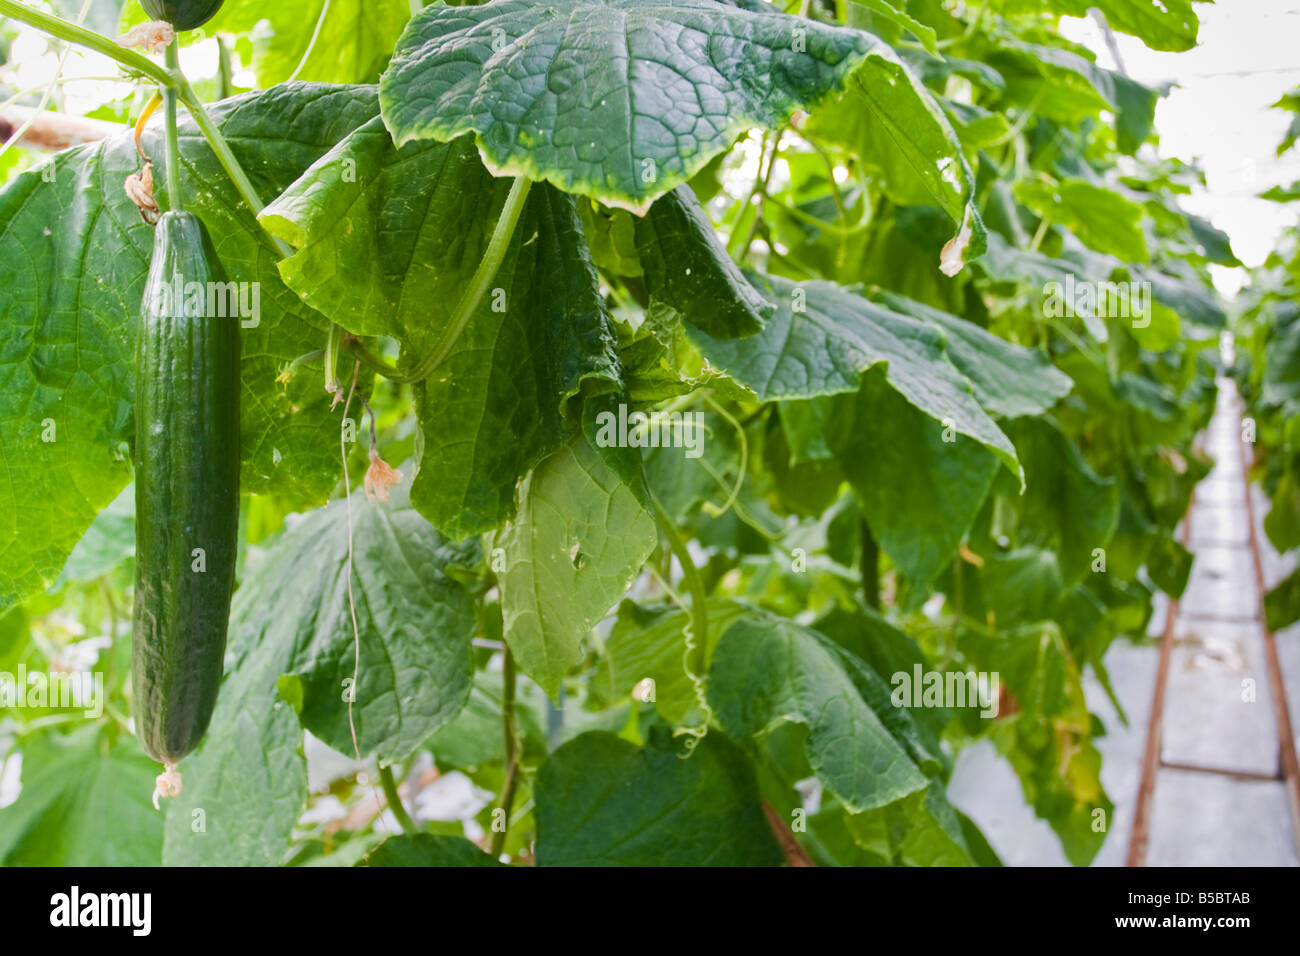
(512, 752)
(395, 801)
(469, 302)
(173, 140)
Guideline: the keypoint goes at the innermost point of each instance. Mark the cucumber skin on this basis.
(182, 14)
(186, 460)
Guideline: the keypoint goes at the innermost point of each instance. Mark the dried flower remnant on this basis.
(380, 477)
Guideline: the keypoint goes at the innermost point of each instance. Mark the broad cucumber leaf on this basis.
(894, 125)
(579, 538)
(1065, 506)
(602, 801)
(687, 268)
(427, 849)
(823, 337)
(649, 643)
(1169, 25)
(72, 272)
(893, 13)
(922, 829)
(387, 239)
(767, 670)
(1009, 380)
(501, 402)
(1099, 217)
(1067, 86)
(623, 100)
(920, 482)
(291, 662)
(85, 801)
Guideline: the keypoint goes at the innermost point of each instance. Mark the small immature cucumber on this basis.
(186, 490)
(182, 14)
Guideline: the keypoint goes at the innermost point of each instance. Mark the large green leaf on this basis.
(1009, 380)
(821, 339)
(84, 802)
(622, 100)
(67, 298)
(292, 652)
(1066, 86)
(1161, 24)
(602, 801)
(580, 536)
(1065, 506)
(1101, 218)
(922, 829)
(649, 643)
(427, 849)
(767, 670)
(687, 269)
(920, 482)
(896, 127)
(501, 401)
(387, 239)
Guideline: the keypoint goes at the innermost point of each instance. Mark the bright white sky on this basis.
(1218, 114)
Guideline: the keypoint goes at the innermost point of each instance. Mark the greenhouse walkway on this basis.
(1239, 814)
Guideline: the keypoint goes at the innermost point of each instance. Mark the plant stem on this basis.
(870, 566)
(225, 74)
(512, 752)
(502, 233)
(483, 276)
(71, 33)
(395, 800)
(225, 156)
(173, 140)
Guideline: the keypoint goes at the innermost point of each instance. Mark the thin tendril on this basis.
(311, 45)
(352, 602)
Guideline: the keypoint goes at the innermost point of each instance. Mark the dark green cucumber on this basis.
(182, 14)
(186, 490)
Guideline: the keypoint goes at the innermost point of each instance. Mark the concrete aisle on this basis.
(1196, 818)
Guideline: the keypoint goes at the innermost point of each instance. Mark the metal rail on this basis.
(1288, 768)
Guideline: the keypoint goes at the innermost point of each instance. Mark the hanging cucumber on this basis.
(186, 493)
(182, 14)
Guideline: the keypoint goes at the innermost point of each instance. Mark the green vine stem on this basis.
(469, 302)
(395, 800)
(502, 233)
(174, 196)
(512, 753)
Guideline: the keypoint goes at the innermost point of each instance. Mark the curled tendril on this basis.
(696, 627)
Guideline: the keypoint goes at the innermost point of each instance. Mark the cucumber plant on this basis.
(649, 407)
